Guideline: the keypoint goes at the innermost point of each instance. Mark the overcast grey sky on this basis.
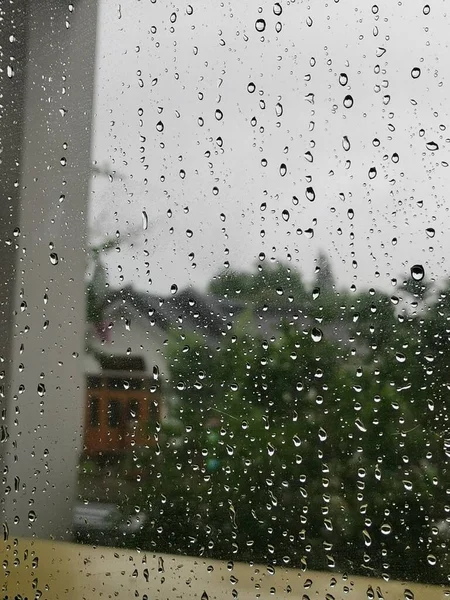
(179, 65)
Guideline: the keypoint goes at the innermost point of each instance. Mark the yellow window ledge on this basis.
(52, 570)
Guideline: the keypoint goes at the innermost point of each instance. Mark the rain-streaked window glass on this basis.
(225, 299)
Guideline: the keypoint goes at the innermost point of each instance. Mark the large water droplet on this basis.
(372, 172)
(432, 146)
(31, 516)
(277, 10)
(348, 101)
(343, 79)
(316, 334)
(160, 564)
(144, 220)
(346, 143)
(251, 87)
(417, 272)
(322, 434)
(54, 258)
(310, 194)
(430, 231)
(260, 25)
(431, 559)
(360, 425)
(415, 72)
(367, 538)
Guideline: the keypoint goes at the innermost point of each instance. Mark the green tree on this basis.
(305, 448)
(272, 287)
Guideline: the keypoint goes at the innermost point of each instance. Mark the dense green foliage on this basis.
(316, 447)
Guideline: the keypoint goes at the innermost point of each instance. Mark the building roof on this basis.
(189, 307)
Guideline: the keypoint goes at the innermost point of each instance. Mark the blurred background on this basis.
(224, 291)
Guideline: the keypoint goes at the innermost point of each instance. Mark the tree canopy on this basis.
(315, 448)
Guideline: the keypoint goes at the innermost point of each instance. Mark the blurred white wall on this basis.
(50, 46)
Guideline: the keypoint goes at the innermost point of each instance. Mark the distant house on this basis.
(127, 367)
(126, 364)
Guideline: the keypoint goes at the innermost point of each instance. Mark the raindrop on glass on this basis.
(31, 516)
(348, 101)
(316, 334)
(260, 25)
(417, 272)
(310, 194)
(322, 434)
